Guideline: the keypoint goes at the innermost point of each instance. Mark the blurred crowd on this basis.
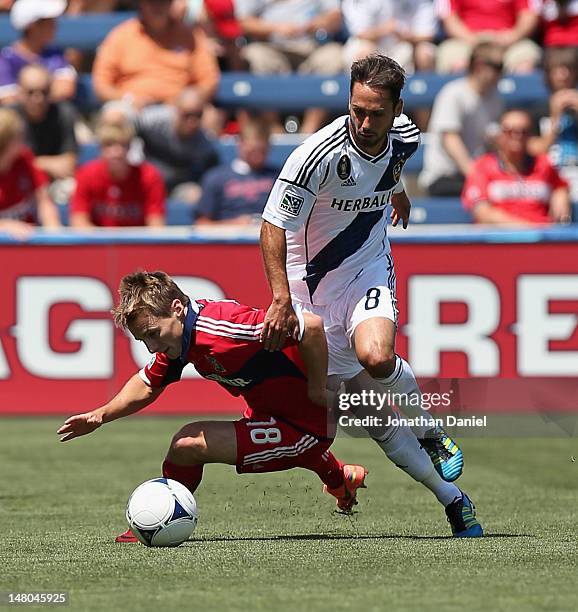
(156, 75)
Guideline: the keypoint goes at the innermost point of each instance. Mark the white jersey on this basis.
(331, 197)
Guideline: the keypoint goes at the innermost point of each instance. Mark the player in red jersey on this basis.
(286, 422)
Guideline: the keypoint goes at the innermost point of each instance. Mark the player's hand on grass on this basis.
(79, 425)
(280, 322)
(401, 209)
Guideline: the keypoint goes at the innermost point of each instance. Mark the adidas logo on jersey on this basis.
(350, 182)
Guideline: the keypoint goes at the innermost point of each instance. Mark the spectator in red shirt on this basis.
(508, 24)
(511, 187)
(110, 192)
(24, 199)
(560, 23)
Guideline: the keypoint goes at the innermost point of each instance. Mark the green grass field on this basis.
(271, 542)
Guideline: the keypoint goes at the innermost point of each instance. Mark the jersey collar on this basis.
(361, 153)
(191, 316)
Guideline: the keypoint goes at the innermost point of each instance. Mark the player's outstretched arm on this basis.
(313, 351)
(281, 320)
(134, 396)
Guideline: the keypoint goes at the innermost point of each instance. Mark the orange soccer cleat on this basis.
(346, 494)
(126, 538)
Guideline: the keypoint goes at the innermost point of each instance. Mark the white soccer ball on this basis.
(162, 512)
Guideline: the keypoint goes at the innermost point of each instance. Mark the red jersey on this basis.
(221, 339)
(118, 203)
(489, 15)
(18, 187)
(524, 195)
(560, 25)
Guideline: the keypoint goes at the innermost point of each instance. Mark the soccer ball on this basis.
(162, 512)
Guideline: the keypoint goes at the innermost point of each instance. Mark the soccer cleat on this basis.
(346, 494)
(126, 538)
(461, 515)
(445, 454)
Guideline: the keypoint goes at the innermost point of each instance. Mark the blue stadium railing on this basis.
(439, 235)
(294, 93)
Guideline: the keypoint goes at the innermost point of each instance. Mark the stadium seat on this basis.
(83, 32)
(294, 93)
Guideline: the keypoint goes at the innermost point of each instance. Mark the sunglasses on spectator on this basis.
(498, 66)
(509, 131)
(191, 114)
(43, 92)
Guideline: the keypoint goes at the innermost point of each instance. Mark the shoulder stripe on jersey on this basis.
(325, 176)
(229, 324)
(336, 251)
(296, 185)
(318, 152)
(404, 126)
(315, 150)
(405, 130)
(336, 145)
(408, 134)
(239, 332)
(224, 334)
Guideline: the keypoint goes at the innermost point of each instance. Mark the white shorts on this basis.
(371, 294)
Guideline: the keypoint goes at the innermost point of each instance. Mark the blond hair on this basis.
(114, 133)
(11, 127)
(148, 293)
(257, 129)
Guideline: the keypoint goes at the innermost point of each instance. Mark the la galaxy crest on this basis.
(344, 167)
(396, 173)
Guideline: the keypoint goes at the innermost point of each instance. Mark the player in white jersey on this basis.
(324, 245)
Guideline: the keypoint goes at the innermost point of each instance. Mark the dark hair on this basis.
(379, 72)
(561, 56)
(486, 53)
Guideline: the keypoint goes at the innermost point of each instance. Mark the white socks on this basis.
(403, 448)
(398, 442)
(402, 381)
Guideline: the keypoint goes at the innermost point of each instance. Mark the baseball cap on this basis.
(25, 12)
(222, 13)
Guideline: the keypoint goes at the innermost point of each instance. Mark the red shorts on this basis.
(273, 446)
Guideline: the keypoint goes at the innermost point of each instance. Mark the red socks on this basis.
(329, 469)
(326, 466)
(188, 475)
